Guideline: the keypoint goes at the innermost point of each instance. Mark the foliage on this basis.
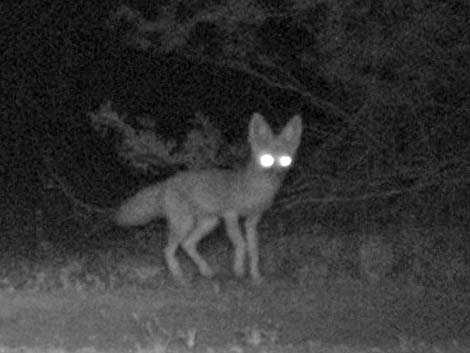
(390, 78)
(144, 148)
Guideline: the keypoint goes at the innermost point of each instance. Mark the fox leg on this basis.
(253, 251)
(239, 244)
(179, 228)
(203, 227)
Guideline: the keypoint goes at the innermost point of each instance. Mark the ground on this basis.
(225, 315)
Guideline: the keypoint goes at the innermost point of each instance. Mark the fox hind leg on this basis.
(179, 229)
(203, 227)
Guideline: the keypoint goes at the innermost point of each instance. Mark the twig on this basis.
(295, 200)
(69, 193)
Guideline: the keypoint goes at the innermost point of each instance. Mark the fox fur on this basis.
(194, 202)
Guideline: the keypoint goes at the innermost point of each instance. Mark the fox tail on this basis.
(141, 208)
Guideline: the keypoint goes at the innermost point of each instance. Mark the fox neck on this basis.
(267, 179)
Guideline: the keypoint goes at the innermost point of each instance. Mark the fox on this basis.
(194, 202)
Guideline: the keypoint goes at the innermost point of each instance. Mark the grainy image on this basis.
(235, 176)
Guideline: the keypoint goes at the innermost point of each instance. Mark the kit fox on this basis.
(194, 202)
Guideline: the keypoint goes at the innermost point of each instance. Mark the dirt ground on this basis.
(233, 315)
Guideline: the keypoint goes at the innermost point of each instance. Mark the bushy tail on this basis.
(141, 208)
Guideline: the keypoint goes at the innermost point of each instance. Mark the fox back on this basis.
(194, 202)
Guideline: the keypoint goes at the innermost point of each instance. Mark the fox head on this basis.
(271, 152)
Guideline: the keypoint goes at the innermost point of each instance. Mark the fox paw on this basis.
(257, 280)
(239, 271)
(207, 272)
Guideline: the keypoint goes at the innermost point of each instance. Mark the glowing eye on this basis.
(266, 160)
(285, 161)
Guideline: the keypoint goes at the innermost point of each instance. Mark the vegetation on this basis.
(367, 248)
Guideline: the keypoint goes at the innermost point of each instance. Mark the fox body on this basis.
(194, 202)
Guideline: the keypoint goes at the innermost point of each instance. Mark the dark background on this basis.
(383, 89)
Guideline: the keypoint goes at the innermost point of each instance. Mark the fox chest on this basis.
(253, 197)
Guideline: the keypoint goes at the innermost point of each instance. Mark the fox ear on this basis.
(293, 130)
(259, 128)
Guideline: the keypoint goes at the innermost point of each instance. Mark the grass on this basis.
(384, 289)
